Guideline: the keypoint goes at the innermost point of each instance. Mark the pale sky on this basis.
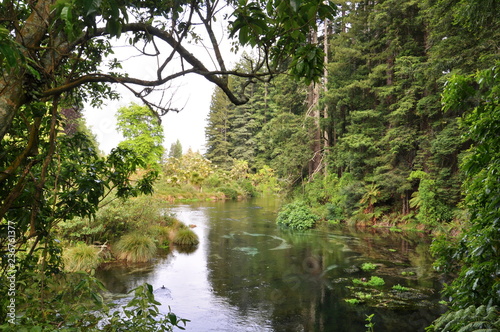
(192, 93)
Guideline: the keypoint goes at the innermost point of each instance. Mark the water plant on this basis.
(81, 257)
(367, 267)
(135, 247)
(373, 282)
(352, 301)
(369, 324)
(363, 296)
(400, 288)
(186, 237)
(297, 215)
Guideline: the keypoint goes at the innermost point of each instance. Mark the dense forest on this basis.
(375, 122)
(401, 130)
(370, 113)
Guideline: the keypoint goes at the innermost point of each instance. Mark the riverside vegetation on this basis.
(393, 121)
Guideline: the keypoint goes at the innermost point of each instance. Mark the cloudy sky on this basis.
(191, 93)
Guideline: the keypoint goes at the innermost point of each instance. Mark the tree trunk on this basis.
(314, 112)
(12, 84)
(326, 136)
(11, 99)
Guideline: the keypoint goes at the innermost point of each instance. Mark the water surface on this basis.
(247, 274)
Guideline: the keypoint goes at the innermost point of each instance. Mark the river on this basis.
(247, 274)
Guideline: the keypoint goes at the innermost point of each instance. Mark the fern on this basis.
(484, 318)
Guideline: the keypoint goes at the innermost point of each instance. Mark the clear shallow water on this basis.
(249, 275)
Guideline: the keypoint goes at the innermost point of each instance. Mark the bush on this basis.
(135, 248)
(229, 192)
(186, 237)
(81, 258)
(334, 212)
(115, 218)
(297, 215)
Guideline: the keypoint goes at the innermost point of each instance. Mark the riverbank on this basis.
(250, 274)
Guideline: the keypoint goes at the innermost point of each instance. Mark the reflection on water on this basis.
(249, 275)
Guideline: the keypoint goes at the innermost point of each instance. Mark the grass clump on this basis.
(135, 248)
(297, 215)
(81, 257)
(186, 237)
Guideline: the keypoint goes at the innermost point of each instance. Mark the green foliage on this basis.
(296, 19)
(175, 150)
(369, 323)
(363, 296)
(115, 218)
(352, 301)
(186, 237)
(430, 208)
(81, 257)
(268, 131)
(400, 288)
(143, 133)
(68, 302)
(136, 247)
(48, 173)
(297, 216)
(265, 181)
(472, 318)
(229, 192)
(286, 141)
(373, 282)
(191, 168)
(142, 314)
(477, 249)
(73, 302)
(368, 267)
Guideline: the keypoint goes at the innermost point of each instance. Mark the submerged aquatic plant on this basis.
(374, 281)
(367, 267)
(352, 301)
(400, 288)
(135, 247)
(186, 237)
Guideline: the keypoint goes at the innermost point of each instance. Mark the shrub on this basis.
(186, 237)
(81, 258)
(400, 288)
(116, 218)
(135, 247)
(334, 212)
(229, 192)
(297, 215)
